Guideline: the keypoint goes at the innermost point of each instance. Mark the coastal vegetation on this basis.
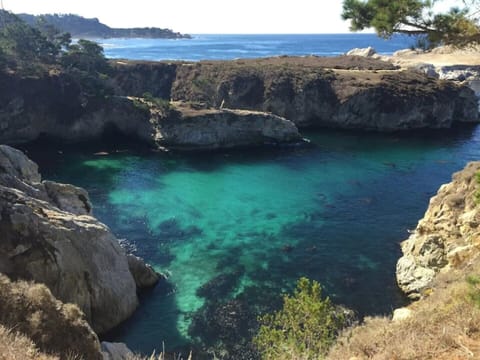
(459, 26)
(305, 328)
(477, 193)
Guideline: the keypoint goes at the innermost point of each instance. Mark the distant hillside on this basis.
(80, 27)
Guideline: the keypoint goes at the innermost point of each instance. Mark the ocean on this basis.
(225, 47)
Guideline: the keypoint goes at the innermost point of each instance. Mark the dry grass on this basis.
(55, 328)
(14, 346)
(445, 325)
(161, 356)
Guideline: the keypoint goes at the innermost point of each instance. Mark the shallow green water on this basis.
(334, 211)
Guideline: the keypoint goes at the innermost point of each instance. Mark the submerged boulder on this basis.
(49, 236)
(447, 236)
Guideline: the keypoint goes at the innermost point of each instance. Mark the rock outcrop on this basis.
(348, 92)
(319, 97)
(186, 127)
(447, 236)
(48, 235)
(365, 52)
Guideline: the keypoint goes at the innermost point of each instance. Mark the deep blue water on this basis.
(222, 47)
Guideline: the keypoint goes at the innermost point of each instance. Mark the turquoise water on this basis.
(224, 47)
(335, 211)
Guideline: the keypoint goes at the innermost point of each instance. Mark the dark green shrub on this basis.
(305, 328)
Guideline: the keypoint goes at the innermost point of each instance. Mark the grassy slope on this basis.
(444, 325)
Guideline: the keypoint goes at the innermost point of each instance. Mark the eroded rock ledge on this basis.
(447, 236)
(48, 235)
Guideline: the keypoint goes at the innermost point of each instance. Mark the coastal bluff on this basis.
(448, 236)
(221, 104)
(49, 236)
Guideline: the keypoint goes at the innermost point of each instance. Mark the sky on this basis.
(202, 16)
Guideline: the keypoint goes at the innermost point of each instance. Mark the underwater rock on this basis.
(219, 287)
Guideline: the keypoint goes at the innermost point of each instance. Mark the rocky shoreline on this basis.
(50, 236)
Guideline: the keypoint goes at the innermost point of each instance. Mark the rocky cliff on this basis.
(312, 95)
(48, 235)
(348, 92)
(343, 92)
(448, 236)
(55, 106)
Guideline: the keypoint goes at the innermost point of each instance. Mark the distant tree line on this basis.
(79, 26)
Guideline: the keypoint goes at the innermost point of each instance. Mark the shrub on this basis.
(305, 328)
(477, 193)
(474, 289)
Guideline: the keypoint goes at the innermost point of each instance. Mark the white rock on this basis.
(401, 314)
(365, 52)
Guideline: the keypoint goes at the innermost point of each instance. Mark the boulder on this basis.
(401, 314)
(116, 351)
(144, 275)
(427, 69)
(49, 236)
(364, 52)
(446, 237)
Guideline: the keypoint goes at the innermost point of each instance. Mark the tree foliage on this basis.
(85, 55)
(458, 26)
(33, 50)
(304, 328)
(25, 43)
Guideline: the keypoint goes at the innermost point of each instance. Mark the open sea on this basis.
(235, 229)
(223, 47)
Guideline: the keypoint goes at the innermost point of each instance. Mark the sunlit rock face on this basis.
(48, 235)
(447, 236)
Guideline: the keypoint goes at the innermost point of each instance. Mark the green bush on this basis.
(305, 328)
(159, 102)
(477, 193)
(474, 291)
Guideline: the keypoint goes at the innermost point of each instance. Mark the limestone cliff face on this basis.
(48, 234)
(446, 237)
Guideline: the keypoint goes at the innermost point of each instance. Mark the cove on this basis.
(246, 224)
